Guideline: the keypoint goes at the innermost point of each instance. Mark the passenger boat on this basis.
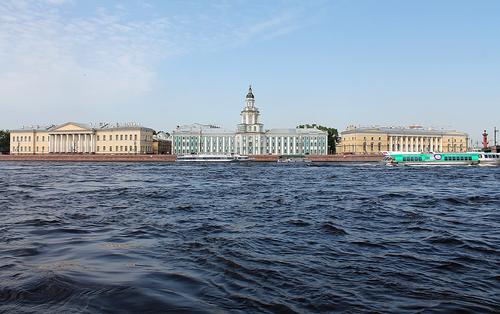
(489, 159)
(212, 158)
(437, 159)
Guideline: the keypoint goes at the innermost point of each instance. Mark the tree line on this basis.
(4, 141)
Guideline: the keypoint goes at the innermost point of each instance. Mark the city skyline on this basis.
(332, 63)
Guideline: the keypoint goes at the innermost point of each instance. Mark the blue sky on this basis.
(165, 63)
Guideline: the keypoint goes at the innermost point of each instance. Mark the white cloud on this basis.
(59, 63)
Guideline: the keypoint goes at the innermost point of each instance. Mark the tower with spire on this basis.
(250, 137)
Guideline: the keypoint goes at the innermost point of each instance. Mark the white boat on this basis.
(211, 158)
(292, 159)
(491, 159)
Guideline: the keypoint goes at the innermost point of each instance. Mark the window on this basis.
(37, 138)
(104, 148)
(116, 137)
(125, 148)
(121, 137)
(104, 137)
(121, 148)
(111, 148)
(125, 136)
(98, 137)
(135, 137)
(43, 138)
(97, 148)
(116, 147)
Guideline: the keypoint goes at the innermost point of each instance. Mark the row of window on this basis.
(412, 158)
(21, 149)
(121, 137)
(22, 138)
(457, 158)
(123, 148)
(491, 156)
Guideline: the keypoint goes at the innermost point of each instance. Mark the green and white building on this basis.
(250, 137)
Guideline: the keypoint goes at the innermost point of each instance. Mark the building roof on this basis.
(198, 128)
(402, 131)
(250, 92)
(297, 131)
(90, 127)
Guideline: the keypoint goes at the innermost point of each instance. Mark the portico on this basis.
(72, 138)
(72, 143)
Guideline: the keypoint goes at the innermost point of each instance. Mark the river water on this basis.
(239, 238)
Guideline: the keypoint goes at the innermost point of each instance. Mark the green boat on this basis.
(437, 159)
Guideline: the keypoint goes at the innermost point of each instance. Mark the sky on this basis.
(334, 63)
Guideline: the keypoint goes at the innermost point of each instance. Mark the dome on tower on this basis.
(250, 93)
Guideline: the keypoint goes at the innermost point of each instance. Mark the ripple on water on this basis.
(155, 238)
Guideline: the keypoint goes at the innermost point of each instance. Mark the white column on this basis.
(406, 143)
(79, 143)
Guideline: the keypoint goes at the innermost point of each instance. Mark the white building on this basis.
(250, 137)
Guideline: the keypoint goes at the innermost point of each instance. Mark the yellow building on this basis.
(374, 140)
(77, 138)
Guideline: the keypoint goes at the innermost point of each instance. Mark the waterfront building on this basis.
(78, 138)
(162, 144)
(250, 138)
(368, 140)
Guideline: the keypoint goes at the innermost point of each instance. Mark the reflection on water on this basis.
(248, 238)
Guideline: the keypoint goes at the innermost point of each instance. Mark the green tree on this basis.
(333, 135)
(4, 141)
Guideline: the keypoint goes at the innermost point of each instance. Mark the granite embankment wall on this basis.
(90, 158)
(346, 158)
(171, 158)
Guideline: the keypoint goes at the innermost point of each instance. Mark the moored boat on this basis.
(212, 158)
(284, 159)
(431, 159)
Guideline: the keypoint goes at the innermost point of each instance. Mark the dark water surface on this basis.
(154, 238)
